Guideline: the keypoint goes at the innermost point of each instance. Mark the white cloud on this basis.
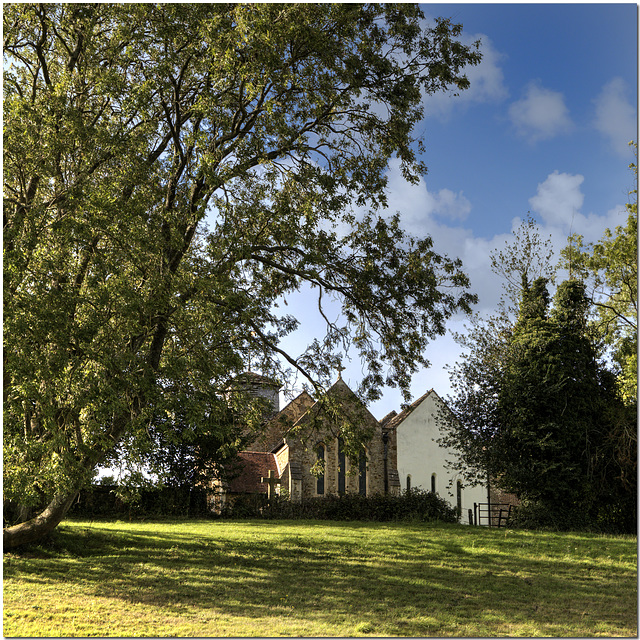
(420, 207)
(541, 114)
(559, 202)
(615, 116)
(558, 198)
(486, 78)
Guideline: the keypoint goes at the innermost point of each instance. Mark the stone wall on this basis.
(305, 454)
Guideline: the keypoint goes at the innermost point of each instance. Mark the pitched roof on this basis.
(304, 410)
(278, 426)
(253, 465)
(397, 420)
(339, 394)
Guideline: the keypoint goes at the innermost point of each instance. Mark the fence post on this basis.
(475, 513)
(470, 516)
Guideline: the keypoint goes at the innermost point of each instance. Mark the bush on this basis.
(413, 505)
(602, 517)
(109, 501)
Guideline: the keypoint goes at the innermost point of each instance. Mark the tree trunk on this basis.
(35, 529)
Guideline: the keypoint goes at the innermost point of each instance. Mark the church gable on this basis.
(275, 430)
(423, 462)
(329, 414)
(304, 438)
(314, 443)
(394, 420)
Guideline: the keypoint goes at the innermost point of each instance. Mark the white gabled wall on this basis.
(420, 456)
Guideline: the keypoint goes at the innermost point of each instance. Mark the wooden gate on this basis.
(494, 514)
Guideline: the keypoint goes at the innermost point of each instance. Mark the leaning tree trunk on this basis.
(35, 529)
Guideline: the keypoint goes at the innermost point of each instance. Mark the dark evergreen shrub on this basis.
(414, 505)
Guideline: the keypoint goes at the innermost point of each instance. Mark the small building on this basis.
(422, 461)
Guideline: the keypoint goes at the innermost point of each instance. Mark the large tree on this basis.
(476, 377)
(173, 171)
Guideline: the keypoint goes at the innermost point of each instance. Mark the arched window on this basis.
(433, 482)
(362, 477)
(342, 463)
(408, 483)
(320, 455)
(459, 497)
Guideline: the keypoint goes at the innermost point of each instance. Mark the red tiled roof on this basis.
(254, 465)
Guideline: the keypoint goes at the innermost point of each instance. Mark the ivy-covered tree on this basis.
(172, 172)
(550, 413)
(546, 407)
(472, 425)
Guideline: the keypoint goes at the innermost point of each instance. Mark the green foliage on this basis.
(536, 410)
(610, 267)
(471, 425)
(171, 173)
(414, 505)
(108, 501)
(186, 450)
(554, 410)
(525, 257)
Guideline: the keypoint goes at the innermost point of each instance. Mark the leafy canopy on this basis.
(610, 267)
(171, 172)
(535, 409)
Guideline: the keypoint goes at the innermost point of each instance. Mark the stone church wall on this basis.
(307, 456)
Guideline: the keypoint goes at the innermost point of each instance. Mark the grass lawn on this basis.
(292, 578)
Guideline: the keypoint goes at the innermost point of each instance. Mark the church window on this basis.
(342, 463)
(433, 482)
(321, 462)
(459, 497)
(408, 483)
(362, 477)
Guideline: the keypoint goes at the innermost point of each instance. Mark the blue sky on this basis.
(544, 129)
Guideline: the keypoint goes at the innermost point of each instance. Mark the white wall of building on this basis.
(420, 456)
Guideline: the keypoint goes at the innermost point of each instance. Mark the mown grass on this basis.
(265, 578)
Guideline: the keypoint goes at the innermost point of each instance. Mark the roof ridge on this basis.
(404, 414)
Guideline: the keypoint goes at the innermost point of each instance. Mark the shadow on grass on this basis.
(406, 577)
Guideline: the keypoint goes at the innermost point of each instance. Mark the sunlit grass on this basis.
(256, 578)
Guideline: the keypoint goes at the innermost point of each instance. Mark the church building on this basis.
(300, 452)
(423, 462)
(301, 449)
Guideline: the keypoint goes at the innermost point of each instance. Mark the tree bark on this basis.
(35, 529)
